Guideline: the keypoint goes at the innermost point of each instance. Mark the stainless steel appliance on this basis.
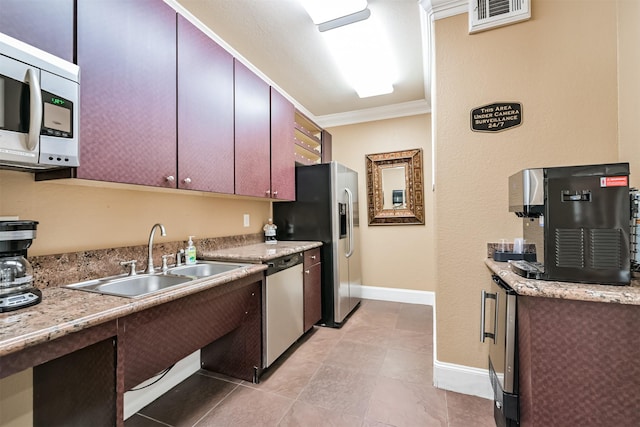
(38, 108)
(501, 327)
(283, 306)
(326, 210)
(16, 275)
(578, 219)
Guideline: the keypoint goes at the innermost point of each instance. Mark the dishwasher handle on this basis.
(283, 263)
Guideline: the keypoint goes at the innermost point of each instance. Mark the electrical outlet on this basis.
(246, 220)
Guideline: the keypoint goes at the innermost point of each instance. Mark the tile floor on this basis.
(375, 371)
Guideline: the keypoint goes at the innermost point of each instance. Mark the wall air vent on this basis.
(487, 14)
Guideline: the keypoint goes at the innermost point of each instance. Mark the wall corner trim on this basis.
(409, 296)
(462, 379)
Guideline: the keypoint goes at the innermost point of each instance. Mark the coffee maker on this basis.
(16, 275)
(578, 219)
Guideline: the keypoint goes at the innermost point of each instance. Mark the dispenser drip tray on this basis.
(508, 256)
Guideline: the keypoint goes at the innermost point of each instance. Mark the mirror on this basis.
(394, 188)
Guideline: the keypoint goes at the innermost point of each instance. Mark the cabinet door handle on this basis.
(169, 178)
(187, 180)
(268, 193)
(313, 257)
(306, 272)
(275, 194)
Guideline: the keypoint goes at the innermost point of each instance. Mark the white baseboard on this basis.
(462, 379)
(136, 400)
(398, 295)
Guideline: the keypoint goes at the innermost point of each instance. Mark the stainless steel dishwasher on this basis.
(283, 306)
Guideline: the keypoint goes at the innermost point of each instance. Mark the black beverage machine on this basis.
(578, 218)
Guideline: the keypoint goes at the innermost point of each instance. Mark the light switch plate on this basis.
(246, 220)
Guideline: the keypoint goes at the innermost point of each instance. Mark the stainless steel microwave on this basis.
(39, 104)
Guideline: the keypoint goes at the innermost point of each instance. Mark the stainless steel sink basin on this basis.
(140, 285)
(145, 284)
(204, 269)
(132, 286)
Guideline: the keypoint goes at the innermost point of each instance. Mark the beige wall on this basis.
(562, 66)
(629, 85)
(16, 400)
(76, 217)
(394, 256)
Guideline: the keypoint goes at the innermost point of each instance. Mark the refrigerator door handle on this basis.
(350, 223)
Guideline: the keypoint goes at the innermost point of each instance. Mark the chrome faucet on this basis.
(163, 232)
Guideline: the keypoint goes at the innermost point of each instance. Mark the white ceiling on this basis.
(279, 39)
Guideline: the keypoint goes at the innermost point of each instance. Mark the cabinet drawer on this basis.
(311, 257)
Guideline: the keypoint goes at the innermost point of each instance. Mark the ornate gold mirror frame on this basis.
(395, 194)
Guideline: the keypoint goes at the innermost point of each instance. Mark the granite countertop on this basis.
(63, 310)
(259, 252)
(564, 290)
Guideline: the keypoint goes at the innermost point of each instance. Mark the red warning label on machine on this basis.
(614, 181)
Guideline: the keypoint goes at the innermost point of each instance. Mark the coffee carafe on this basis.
(16, 275)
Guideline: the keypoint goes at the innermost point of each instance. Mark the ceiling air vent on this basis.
(486, 14)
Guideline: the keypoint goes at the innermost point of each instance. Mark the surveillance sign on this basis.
(496, 117)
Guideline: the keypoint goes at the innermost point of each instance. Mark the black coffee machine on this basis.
(16, 275)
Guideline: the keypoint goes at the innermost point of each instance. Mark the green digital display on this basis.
(57, 101)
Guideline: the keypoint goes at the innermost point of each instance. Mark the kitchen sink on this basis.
(131, 286)
(204, 269)
(140, 285)
(144, 284)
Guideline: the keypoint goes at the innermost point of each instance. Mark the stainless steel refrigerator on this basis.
(326, 210)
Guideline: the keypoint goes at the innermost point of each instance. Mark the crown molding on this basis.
(440, 9)
(404, 109)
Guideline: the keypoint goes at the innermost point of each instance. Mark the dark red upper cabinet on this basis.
(252, 134)
(45, 24)
(205, 112)
(126, 50)
(282, 149)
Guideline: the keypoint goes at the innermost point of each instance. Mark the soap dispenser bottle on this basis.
(190, 253)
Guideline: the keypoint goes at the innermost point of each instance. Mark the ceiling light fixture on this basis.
(364, 56)
(357, 42)
(327, 10)
(344, 20)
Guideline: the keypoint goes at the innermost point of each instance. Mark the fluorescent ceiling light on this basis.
(344, 20)
(326, 10)
(362, 52)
